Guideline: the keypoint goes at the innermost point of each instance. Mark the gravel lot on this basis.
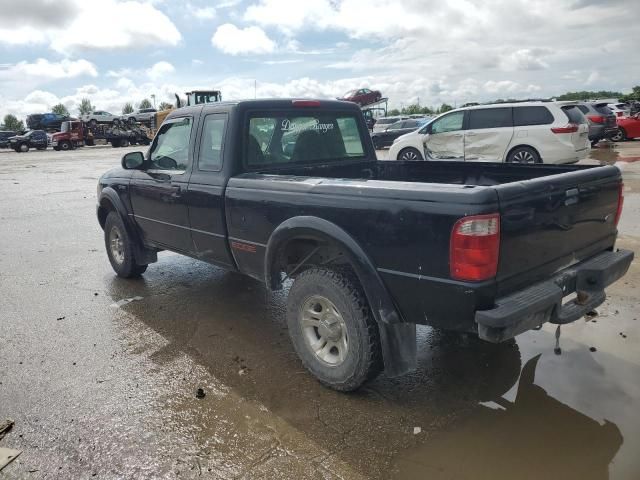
(100, 374)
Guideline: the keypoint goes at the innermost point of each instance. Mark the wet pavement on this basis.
(100, 374)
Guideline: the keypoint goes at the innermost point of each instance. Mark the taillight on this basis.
(596, 118)
(474, 247)
(620, 203)
(306, 103)
(568, 128)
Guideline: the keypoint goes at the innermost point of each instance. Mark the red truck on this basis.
(76, 133)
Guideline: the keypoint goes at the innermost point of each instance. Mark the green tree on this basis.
(413, 109)
(85, 107)
(165, 106)
(393, 113)
(127, 108)
(60, 109)
(633, 96)
(12, 123)
(444, 108)
(589, 95)
(145, 103)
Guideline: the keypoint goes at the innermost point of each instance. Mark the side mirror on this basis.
(132, 160)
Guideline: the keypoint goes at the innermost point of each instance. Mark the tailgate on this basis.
(551, 222)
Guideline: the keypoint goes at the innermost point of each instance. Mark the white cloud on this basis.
(204, 13)
(89, 25)
(160, 70)
(236, 41)
(43, 70)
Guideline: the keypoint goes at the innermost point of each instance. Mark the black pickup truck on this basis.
(290, 192)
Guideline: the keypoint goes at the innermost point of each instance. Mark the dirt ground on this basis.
(100, 374)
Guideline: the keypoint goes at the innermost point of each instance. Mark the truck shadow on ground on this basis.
(236, 329)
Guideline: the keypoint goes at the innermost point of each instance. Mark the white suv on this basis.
(98, 116)
(525, 132)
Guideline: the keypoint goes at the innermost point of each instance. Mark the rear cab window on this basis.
(295, 137)
(533, 115)
(490, 118)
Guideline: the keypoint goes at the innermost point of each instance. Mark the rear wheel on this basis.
(619, 136)
(120, 248)
(410, 154)
(523, 155)
(24, 148)
(333, 330)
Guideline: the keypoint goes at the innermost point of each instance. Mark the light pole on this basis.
(153, 96)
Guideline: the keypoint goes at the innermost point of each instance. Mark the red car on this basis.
(362, 96)
(628, 128)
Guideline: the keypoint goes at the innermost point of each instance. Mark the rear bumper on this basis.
(530, 308)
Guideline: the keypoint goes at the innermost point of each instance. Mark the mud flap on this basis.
(399, 348)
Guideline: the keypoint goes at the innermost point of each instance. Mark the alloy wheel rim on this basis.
(409, 155)
(324, 330)
(617, 136)
(523, 157)
(116, 245)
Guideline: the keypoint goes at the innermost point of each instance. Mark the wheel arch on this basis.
(523, 145)
(397, 337)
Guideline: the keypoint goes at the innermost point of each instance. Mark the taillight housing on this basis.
(596, 118)
(475, 247)
(568, 128)
(620, 203)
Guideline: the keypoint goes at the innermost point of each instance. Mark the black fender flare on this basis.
(397, 337)
(143, 255)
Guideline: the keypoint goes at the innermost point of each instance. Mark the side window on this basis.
(490, 118)
(526, 116)
(170, 151)
(210, 157)
(449, 123)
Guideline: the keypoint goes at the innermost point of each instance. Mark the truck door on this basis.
(205, 196)
(158, 191)
(445, 138)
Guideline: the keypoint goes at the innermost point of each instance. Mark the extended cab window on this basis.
(292, 137)
(449, 123)
(211, 147)
(170, 150)
(490, 118)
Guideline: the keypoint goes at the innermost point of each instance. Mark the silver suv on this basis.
(144, 115)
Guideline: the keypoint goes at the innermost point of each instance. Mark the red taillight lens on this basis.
(568, 128)
(596, 118)
(306, 103)
(620, 203)
(474, 247)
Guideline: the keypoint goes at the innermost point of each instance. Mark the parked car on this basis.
(524, 132)
(46, 121)
(384, 138)
(384, 122)
(370, 248)
(144, 115)
(362, 96)
(4, 138)
(628, 128)
(99, 116)
(31, 139)
(619, 109)
(602, 121)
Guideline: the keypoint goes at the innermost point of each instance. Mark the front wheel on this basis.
(120, 248)
(24, 148)
(523, 155)
(409, 154)
(65, 145)
(333, 330)
(619, 136)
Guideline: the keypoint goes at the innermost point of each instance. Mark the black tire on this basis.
(524, 155)
(362, 359)
(24, 147)
(409, 154)
(124, 143)
(594, 143)
(115, 143)
(93, 123)
(121, 254)
(376, 144)
(65, 145)
(619, 136)
(57, 149)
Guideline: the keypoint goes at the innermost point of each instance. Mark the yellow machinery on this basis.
(196, 97)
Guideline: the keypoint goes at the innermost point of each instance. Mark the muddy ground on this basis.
(100, 374)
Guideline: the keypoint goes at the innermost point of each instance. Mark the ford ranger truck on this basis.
(290, 192)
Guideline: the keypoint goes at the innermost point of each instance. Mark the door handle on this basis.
(471, 134)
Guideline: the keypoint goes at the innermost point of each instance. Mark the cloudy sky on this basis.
(452, 51)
